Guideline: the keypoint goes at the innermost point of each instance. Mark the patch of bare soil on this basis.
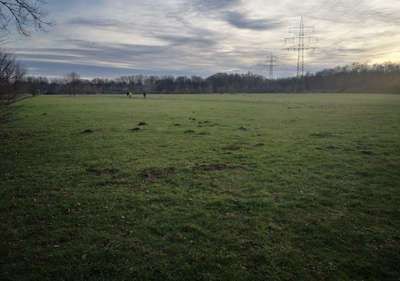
(232, 147)
(259, 144)
(328, 147)
(87, 131)
(367, 152)
(102, 171)
(206, 123)
(213, 167)
(203, 133)
(155, 173)
(322, 135)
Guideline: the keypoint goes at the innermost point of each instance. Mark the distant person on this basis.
(144, 95)
(129, 95)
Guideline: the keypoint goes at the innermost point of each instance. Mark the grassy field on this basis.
(228, 187)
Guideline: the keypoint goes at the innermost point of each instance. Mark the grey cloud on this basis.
(101, 23)
(214, 5)
(195, 41)
(45, 56)
(194, 37)
(352, 12)
(147, 58)
(241, 21)
(118, 48)
(59, 69)
(94, 53)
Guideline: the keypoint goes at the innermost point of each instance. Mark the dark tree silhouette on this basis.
(360, 78)
(23, 14)
(73, 80)
(11, 75)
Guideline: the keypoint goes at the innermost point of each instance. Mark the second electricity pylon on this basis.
(272, 62)
(301, 41)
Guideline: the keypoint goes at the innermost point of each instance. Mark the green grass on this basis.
(229, 187)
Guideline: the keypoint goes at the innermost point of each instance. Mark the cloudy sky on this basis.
(109, 38)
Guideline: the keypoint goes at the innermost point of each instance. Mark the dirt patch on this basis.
(136, 129)
(291, 121)
(367, 152)
(328, 147)
(108, 176)
(365, 149)
(142, 124)
(213, 167)
(155, 173)
(203, 133)
(322, 135)
(331, 147)
(115, 180)
(363, 174)
(87, 131)
(232, 147)
(207, 123)
(259, 144)
(102, 171)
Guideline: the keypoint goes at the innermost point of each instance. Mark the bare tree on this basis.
(24, 14)
(11, 74)
(72, 81)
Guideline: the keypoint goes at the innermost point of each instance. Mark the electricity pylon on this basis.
(301, 42)
(272, 63)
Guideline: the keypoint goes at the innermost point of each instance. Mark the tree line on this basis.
(357, 78)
